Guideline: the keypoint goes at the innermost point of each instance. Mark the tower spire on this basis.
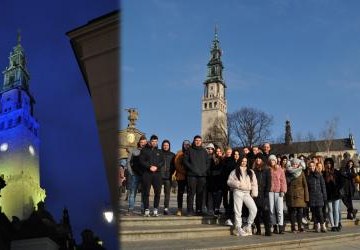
(18, 36)
(16, 74)
(215, 66)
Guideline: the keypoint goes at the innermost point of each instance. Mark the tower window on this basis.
(210, 105)
(205, 105)
(215, 104)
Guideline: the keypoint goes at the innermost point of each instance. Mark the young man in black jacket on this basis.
(166, 172)
(152, 160)
(197, 163)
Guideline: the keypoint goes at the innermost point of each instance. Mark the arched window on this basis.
(205, 105)
(210, 105)
(215, 104)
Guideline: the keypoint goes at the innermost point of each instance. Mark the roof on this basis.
(343, 144)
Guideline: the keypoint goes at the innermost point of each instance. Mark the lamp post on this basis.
(108, 214)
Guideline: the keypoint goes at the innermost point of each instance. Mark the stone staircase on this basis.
(208, 232)
(138, 228)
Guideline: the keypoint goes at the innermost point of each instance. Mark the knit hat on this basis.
(186, 142)
(210, 145)
(272, 157)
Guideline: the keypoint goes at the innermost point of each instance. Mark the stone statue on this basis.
(133, 116)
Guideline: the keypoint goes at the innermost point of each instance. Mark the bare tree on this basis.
(217, 134)
(249, 126)
(329, 132)
(312, 144)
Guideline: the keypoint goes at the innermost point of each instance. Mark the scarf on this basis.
(293, 173)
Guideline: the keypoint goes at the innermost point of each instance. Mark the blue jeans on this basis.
(134, 184)
(334, 212)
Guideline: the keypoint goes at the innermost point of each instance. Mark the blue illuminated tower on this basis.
(19, 140)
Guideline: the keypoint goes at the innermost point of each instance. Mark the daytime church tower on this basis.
(19, 140)
(214, 104)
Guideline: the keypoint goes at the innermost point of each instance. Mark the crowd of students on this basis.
(251, 184)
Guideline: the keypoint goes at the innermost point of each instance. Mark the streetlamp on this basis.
(108, 214)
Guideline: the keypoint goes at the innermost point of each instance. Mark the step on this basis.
(146, 233)
(126, 221)
(187, 231)
(136, 220)
(307, 240)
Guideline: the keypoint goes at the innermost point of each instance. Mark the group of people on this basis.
(252, 184)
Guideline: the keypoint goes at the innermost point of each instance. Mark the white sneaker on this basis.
(228, 223)
(248, 230)
(236, 231)
(242, 232)
(304, 221)
(155, 213)
(147, 213)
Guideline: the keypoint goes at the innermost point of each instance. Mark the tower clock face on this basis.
(31, 150)
(130, 137)
(4, 147)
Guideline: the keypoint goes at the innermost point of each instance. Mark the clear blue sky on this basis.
(71, 164)
(296, 60)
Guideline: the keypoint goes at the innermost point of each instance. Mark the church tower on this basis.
(214, 104)
(19, 140)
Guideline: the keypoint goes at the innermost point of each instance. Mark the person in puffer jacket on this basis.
(242, 180)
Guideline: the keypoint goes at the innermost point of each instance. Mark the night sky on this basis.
(71, 165)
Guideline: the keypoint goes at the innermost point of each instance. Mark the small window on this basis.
(215, 104)
(205, 105)
(210, 105)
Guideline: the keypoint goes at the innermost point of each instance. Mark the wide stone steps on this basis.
(307, 240)
(175, 227)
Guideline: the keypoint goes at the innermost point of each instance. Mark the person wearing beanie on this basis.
(166, 172)
(297, 195)
(276, 195)
(152, 160)
(197, 163)
(180, 175)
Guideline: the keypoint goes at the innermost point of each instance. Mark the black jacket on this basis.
(196, 161)
(168, 169)
(151, 157)
(263, 177)
(214, 181)
(317, 189)
(332, 184)
(347, 182)
(228, 164)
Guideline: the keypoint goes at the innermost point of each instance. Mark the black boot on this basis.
(275, 229)
(281, 229)
(354, 212)
(293, 228)
(268, 230)
(258, 229)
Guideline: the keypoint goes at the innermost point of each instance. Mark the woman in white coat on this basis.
(242, 180)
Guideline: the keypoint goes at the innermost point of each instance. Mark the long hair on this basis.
(238, 171)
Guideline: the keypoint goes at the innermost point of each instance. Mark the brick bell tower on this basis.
(19, 140)
(214, 105)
